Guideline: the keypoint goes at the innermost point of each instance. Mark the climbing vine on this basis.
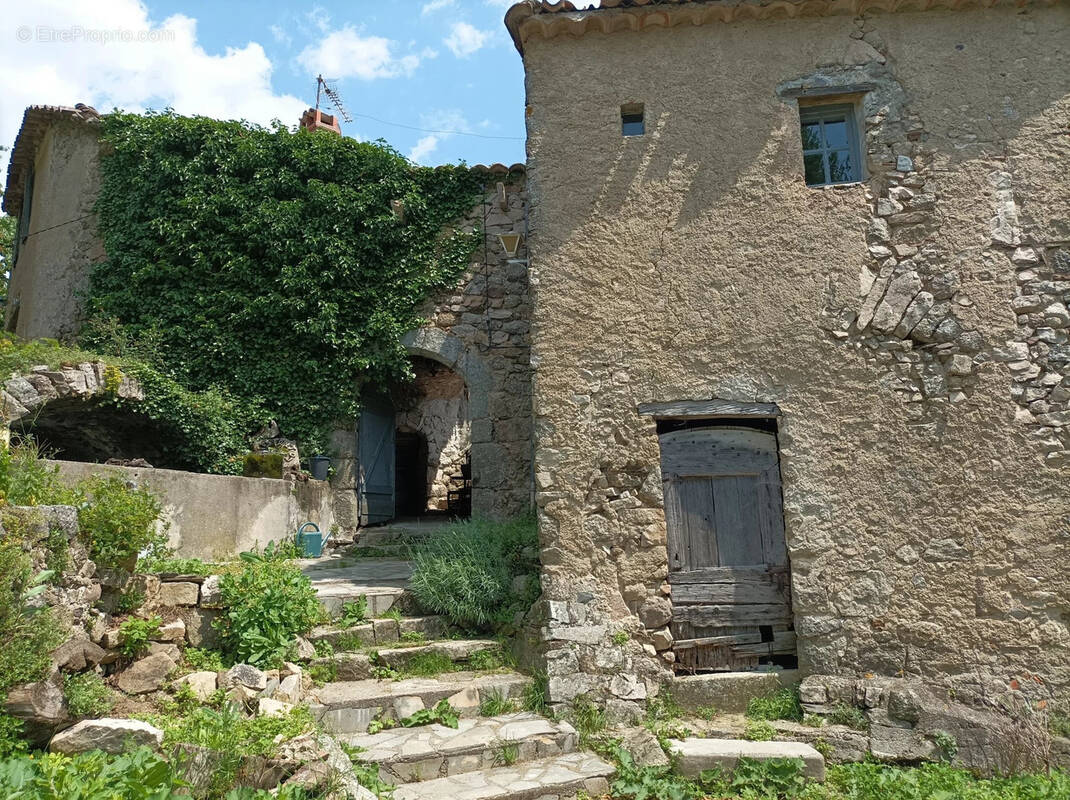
(278, 268)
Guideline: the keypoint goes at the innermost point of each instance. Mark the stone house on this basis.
(788, 339)
(819, 258)
(458, 439)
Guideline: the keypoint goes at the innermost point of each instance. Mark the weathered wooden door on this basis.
(728, 560)
(375, 450)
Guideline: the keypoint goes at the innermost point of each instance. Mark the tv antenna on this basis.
(325, 87)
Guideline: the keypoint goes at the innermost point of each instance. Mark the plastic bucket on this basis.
(318, 466)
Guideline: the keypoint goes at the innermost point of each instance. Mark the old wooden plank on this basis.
(675, 528)
(713, 594)
(739, 537)
(684, 409)
(731, 641)
(740, 574)
(717, 451)
(783, 644)
(724, 615)
(697, 505)
(770, 508)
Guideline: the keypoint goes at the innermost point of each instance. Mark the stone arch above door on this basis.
(445, 348)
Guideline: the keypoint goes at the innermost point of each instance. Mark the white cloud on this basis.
(347, 53)
(280, 35)
(465, 39)
(319, 17)
(436, 5)
(60, 52)
(423, 148)
(441, 125)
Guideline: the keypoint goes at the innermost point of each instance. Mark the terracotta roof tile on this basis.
(538, 18)
(35, 123)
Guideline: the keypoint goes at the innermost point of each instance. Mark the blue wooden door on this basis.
(376, 460)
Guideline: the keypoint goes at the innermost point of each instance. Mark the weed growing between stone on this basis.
(353, 613)
(442, 713)
(135, 635)
(758, 730)
(495, 703)
(849, 715)
(587, 718)
(781, 704)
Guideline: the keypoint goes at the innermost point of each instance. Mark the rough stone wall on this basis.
(438, 409)
(927, 519)
(54, 265)
(481, 329)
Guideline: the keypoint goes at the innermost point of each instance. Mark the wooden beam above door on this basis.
(698, 409)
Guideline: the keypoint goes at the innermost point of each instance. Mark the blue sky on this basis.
(445, 66)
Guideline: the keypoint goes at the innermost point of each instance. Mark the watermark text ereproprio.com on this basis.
(76, 33)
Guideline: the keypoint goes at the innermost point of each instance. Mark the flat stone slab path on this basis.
(428, 752)
(695, 755)
(558, 777)
(339, 580)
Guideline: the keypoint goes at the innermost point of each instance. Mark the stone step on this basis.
(382, 581)
(356, 666)
(548, 778)
(380, 632)
(456, 650)
(348, 706)
(695, 755)
(427, 752)
(729, 692)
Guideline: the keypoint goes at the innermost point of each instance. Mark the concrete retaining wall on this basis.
(211, 516)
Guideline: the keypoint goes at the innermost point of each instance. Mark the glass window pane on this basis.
(840, 167)
(814, 168)
(835, 133)
(811, 136)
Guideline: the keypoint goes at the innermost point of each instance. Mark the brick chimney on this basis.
(315, 120)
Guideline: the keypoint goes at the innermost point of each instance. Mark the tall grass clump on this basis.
(466, 573)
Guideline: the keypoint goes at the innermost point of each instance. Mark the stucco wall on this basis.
(53, 265)
(215, 516)
(926, 506)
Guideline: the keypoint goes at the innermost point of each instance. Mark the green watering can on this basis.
(311, 542)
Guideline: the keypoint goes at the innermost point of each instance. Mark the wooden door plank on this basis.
(737, 639)
(759, 573)
(697, 501)
(675, 528)
(739, 539)
(725, 615)
(783, 644)
(748, 592)
(771, 518)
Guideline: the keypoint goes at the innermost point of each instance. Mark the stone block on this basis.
(109, 735)
(201, 683)
(178, 593)
(146, 675)
(697, 755)
(729, 692)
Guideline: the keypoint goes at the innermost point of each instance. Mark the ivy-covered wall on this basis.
(282, 267)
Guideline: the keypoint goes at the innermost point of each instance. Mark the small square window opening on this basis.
(831, 152)
(631, 120)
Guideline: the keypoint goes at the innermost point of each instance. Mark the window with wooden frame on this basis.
(832, 151)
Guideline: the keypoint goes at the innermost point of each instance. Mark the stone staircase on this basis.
(514, 755)
(520, 755)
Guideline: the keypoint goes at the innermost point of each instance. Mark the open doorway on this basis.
(415, 448)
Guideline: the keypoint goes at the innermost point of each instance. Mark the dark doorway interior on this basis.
(410, 473)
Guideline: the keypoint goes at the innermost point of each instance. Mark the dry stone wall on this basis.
(925, 514)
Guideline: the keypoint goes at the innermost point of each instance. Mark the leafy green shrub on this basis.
(813, 721)
(267, 604)
(25, 480)
(217, 233)
(849, 715)
(136, 633)
(874, 781)
(138, 775)
(27, 635)
(130, 601)
(86, 694)
(466, 572)
(781, 704)
(117, 522)
(11, 736)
